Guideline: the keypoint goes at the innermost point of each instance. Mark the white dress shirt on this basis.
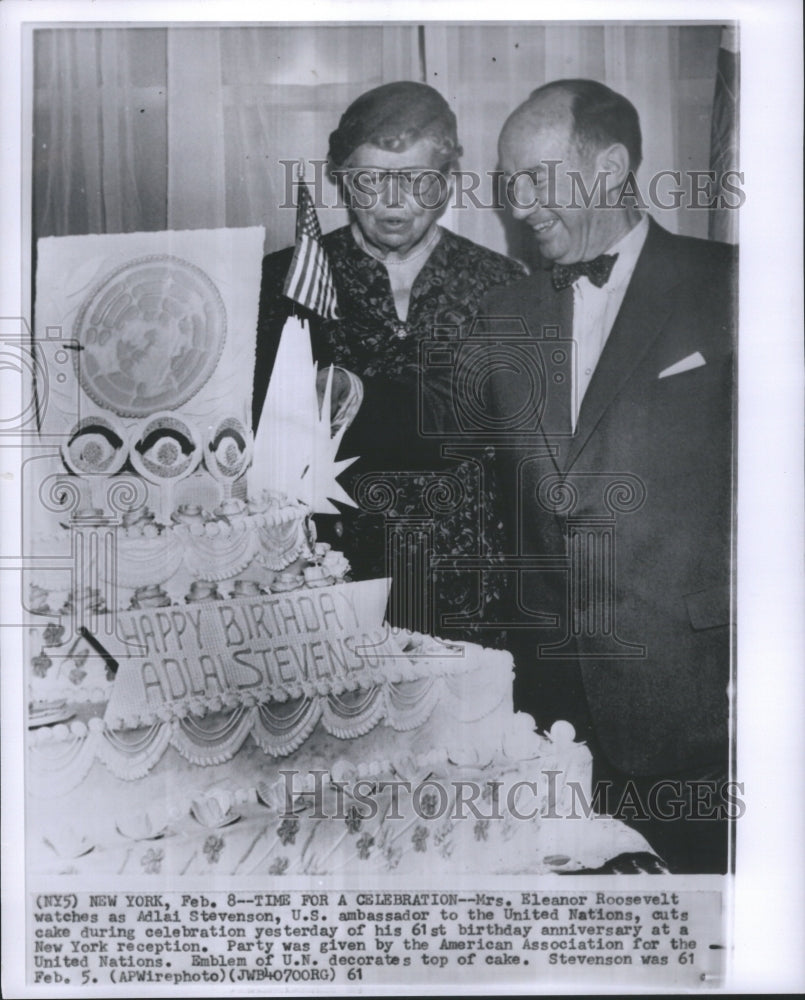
(595, 310)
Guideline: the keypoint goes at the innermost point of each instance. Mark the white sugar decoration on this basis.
(294, 450)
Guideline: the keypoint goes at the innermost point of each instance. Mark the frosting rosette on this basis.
(189, 513)
(138, 518)
(214, 809)
(521, 741)
(38, 599)
(202, 590)
(288, 796)
(69, 843)
(316, 576)
(284, 582)
(335, 564)
(343, 770)
(41, 664)
(150, 596)
(141, 826)
(88, 598)
(266, 501)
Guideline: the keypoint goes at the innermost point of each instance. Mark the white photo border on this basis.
(767, 912)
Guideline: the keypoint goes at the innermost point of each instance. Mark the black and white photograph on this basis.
(402, 558)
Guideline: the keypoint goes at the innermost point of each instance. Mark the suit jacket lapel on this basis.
(556, 421)
(549, 319)
(646, 307)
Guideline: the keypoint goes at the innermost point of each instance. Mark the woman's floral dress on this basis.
(416, 506)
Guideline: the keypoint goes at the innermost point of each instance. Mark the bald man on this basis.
(624, 475)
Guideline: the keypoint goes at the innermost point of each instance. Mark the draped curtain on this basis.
(667, 72)
(185, 127)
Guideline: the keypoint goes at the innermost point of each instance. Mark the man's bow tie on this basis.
(597, 270)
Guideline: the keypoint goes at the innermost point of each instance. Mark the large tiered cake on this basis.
(209, 691)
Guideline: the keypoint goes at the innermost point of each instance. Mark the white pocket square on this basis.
(685, 365)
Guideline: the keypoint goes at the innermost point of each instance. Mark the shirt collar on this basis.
(628, 249)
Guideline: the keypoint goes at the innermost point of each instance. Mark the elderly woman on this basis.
(398, 275)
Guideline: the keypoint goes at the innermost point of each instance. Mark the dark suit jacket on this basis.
(644, 616)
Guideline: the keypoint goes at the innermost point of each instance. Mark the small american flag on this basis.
(310, 280)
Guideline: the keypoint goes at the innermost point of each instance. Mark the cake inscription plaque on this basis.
(249, 649)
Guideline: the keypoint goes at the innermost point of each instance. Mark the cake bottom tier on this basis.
(315, 815)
